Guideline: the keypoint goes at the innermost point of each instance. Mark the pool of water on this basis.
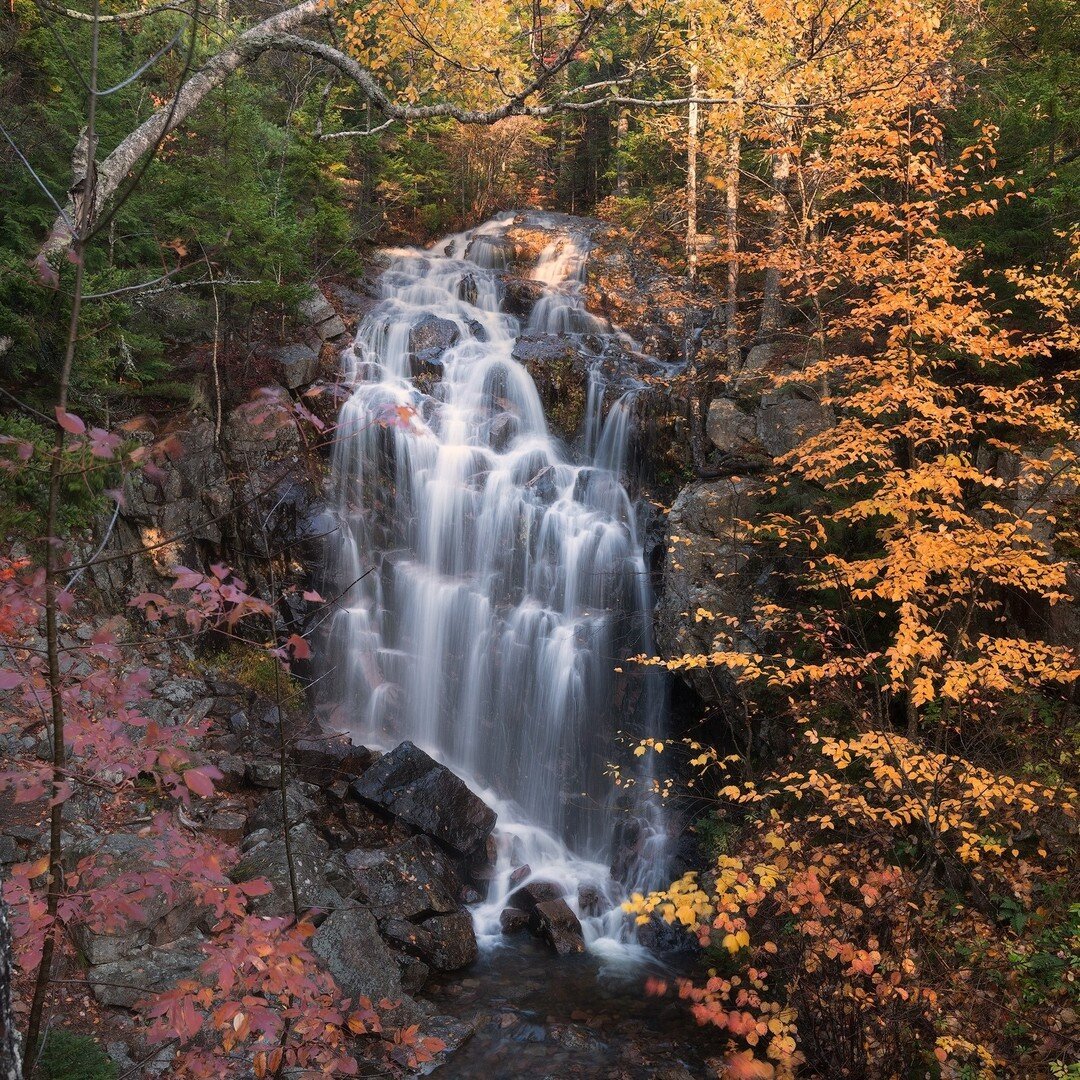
(538, 1016)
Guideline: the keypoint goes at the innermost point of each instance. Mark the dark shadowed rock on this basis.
(267, 815)
(325, 759)
(453, 941)
(417, 789)
(555, 922)
(444, 942)
(411, 879)
(513, 920)
(536, 892)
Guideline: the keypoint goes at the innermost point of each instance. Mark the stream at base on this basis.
(540, 1017)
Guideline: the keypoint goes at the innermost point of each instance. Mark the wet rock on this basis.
(514, 920)
(536, 892)
(628, 842)
(406, 881)
(561, 376)
(430, 338)
(590, 902)
(146, 972)
(297, 365)
(555, 922)
(348, 942)
(667, 938)
(520, 296)
(417, 789)
(452, 941)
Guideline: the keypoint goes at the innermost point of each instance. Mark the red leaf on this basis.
(69, 422)
(299, 647)
(257, 887)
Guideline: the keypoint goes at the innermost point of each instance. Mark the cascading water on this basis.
(493, 584)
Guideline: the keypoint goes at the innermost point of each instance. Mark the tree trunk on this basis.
(10, 1062)
(769, 321)
(691, 163)
(622, 177)
(731, 218)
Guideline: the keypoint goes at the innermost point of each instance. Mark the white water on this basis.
(496, 584)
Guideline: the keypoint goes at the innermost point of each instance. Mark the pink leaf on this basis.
(46, 275)
(313, 596)
(256, 887)
(198, 782)
(69, 422)
(10, 679)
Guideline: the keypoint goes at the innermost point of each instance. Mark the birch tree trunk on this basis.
(10, 1057)
(691, 162)
(731, 221)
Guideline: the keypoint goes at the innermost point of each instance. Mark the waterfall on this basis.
(492, 585)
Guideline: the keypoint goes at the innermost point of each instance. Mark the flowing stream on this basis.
(495, 576)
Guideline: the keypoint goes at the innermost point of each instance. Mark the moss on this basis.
(254, 669)
(67, 1056)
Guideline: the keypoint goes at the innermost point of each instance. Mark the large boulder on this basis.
(453, 941)
(557, 924)
(349, 944)
(146, 972)
(710, 576)
(406, 881)
(324, 759)
(790, 415)
(124, 860)
(297, 364)
(729, 429)
(415, 788)
(561, 375)
(267, 858)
